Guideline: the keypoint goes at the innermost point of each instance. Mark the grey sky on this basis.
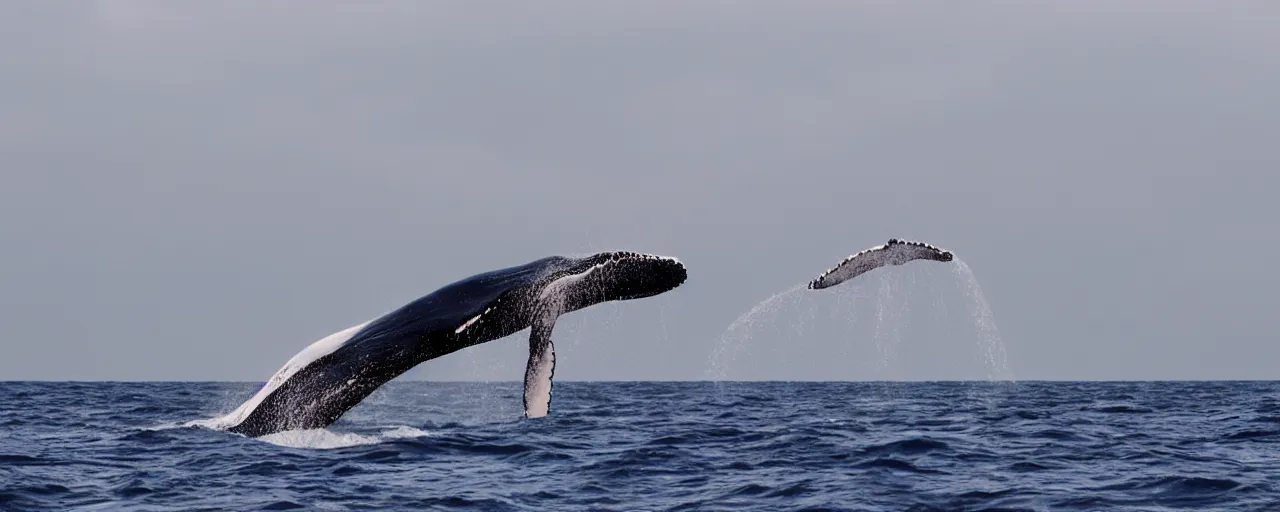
(197, 191)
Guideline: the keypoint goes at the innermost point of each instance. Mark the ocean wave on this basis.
(771, 446)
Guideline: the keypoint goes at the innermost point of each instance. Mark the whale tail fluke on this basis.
(893, 252)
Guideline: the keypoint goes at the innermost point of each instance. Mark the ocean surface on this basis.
(655, 446)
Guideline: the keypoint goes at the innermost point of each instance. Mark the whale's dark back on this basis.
(443, 310)
(316, 395)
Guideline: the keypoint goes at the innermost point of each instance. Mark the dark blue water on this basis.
(655, 446)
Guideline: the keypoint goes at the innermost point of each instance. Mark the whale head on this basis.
(627, 275)
(619, 275)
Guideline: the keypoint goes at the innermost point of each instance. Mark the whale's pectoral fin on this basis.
(542, 366)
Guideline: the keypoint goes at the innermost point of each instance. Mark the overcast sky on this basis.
(197, 191)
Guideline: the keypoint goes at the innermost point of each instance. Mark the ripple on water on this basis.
(826, 446)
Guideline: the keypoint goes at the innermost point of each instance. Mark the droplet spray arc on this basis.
(990, 342)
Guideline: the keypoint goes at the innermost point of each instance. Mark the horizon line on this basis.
(517, 381)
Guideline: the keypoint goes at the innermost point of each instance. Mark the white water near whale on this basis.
(895, 323)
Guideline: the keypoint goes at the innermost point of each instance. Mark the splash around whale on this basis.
(893, 252)
(329, 377)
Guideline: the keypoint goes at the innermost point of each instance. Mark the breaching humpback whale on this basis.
(895, 252)
(319, 384)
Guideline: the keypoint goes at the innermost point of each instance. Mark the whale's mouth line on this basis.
(608, 260)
